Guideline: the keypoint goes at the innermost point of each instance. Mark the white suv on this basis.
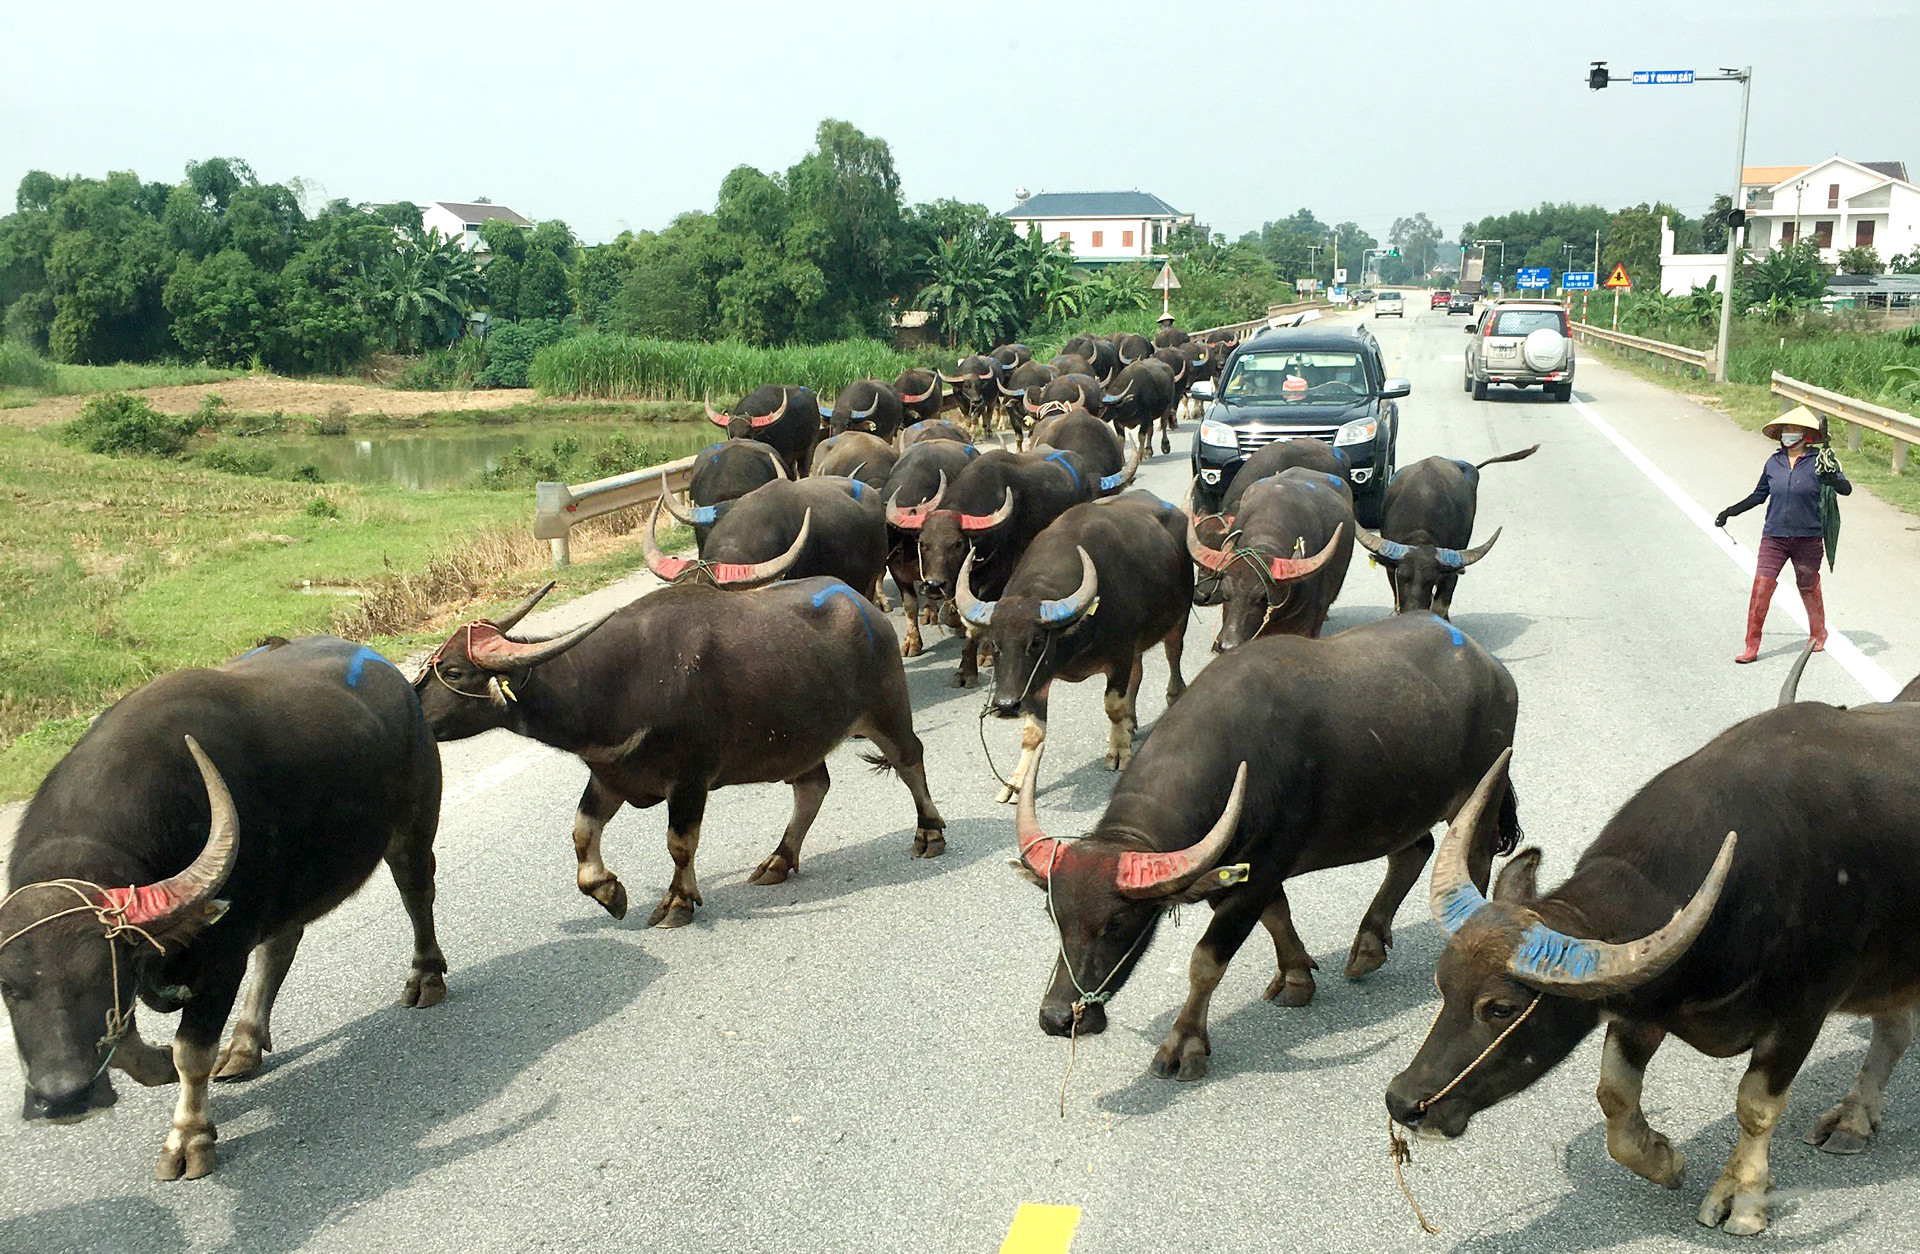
(1525, 343)
(1389, 303)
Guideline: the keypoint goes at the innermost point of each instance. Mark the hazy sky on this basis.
(621, 115)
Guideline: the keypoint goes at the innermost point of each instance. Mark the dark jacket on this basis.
(1792, 494)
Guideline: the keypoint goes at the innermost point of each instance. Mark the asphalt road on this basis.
(851, 1061)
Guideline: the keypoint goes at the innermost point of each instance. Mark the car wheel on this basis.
(1563, 392)
(1466, 380)
(1479, 389)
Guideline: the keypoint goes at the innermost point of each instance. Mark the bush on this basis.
(618, 367)
(510, 351)
(450, 369)
(321, 507)
(21, 367)
(119, 423)
(564, 461)
(235, 459)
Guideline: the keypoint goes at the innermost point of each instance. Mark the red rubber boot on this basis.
(1757, 615)
(1815, 600)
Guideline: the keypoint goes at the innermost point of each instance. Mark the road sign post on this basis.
(1533, 278)
(1165, 283)
(1619, 282)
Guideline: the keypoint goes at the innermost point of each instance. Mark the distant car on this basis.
(1522, 343)
(1440, 299)
(1389, 303)
(1460, 302)
(1363, 296)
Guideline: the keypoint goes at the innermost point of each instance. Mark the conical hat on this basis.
(1799, 418)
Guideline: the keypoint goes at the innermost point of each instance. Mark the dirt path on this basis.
(288, 396)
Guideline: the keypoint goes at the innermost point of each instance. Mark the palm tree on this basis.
(425, 290)
(1049, 292)
(970, 295)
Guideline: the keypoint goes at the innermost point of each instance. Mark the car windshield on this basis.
(1389, 296)
(1525, 321)
(1296, 377)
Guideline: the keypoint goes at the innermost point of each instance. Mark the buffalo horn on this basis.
(715, 417)
(1381, 547)
(1552, 962)
(1144, 874)
(1456, 560)
(1115, 400)
(1123, 476)
(1040, 852)
(696, 515)
(1451, 892)
(974, 610)
(667, 568)
(861, 415)
(917, 397)
(1030, 406)
(767, 420)
(511, 619)
(987, 522)
(1790, 691)
(1076, 603)
(752, 574)
(913, 517)
(493, 651)
(951, 380)
(185, 897)
(1291, 569)
(1203, 556)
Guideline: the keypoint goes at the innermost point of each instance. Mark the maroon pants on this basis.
(1803, 551)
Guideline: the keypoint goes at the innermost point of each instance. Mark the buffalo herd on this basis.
(208, 817)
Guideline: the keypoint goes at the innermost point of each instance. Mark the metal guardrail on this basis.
(559, 507)
(1701, 359)
(1860, 416)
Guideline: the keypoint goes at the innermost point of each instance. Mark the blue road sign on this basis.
(1661, 78)
(1579, 281)
(1533, 276)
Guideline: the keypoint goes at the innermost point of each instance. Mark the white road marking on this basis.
(1879, 685)
(493, 776)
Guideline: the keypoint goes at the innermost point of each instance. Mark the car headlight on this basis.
(1218, 434)
(1358, 432)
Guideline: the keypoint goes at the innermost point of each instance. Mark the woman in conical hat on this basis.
(1790, 485)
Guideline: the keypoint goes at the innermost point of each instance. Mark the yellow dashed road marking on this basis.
(1039, 1229)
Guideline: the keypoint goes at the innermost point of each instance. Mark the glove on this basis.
(1720, 519)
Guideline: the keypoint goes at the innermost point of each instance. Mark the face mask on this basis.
(1790, 438)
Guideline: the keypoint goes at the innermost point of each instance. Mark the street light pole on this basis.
(1745, 75)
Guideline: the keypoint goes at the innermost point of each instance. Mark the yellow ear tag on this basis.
(1235, 874)
(506, 690)
(1094, 608)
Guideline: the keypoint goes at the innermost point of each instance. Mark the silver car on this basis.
(1389, 303)
(1520, 343)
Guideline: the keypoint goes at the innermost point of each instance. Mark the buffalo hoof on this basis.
(929, 842)
(429, 988)
(241, 1058)
(1291, 988)
(1845, 1129)
(187, 1154)
(911, 647)
(673, 911)
(612, 895)
(1008, 794)
(1166, 445)
(1652, 1158)
(964, 680)
(775, 869)
(1735, 1213)
(1117, 757)
(1368, 955)
(146, 1065)
(927, 615)
(1181, 1057)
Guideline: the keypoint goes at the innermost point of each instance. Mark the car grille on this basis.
(1254, 436)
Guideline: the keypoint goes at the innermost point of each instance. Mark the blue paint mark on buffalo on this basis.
(1544, 951)
(1460, 905)
(1062, 460)
(359, 663)
(839, 589)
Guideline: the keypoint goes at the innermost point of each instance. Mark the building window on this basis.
(1863, 233)
(470, 226)
(1787, 232)
(1833, 195)
(1065, 237)
(1823, 234)
(1126, 239)
(1098, 238)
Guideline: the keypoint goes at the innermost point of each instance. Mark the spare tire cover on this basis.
(1544, 350)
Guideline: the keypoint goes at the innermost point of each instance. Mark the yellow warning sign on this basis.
(1619, 276)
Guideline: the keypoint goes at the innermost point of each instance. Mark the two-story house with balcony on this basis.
(1838, 204)
(1099, 227)
(460, 220)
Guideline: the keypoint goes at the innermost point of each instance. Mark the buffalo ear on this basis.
(1027, 873)
(1518, 880)
(1217, 880)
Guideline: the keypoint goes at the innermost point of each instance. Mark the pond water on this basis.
(445, 458)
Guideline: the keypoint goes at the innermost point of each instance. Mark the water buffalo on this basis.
(1104, 583)
(1268, 584)
(933, 429)
(787, 419)
(211, 814)
(1318, 725)
(1137, 397)
(814, 526)
(919, 392)
(1081, 346)
(1170, 337)
(1271, 459)
(1010, 356)
(726, 472)
(690, 689)
(1101, 451)
(857, 455)
(1426, 523)
(976, 389)
(919, 477)
(1030, 377)
(1070, 364)
(1066, 391)
(1672, 925)
(1001, 501)
(865, 405)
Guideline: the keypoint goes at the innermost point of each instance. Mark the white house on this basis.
(1838, 203)
(1100, 227)
(456, 219)
(1680, 273)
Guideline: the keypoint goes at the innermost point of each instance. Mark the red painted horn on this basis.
(1040, 852)
(182, 896)
(987, 522)
(1143, 874)
(1289, 569)
(717, 418)
(491, 649)
(913, 517)
(767, 420)
(933, 385)
(750, 574)
(667, 568)
(1203, 556)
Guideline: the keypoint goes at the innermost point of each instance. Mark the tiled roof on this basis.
(1892, 169)
(1092, 205)
(1769, 175)
(481, 213)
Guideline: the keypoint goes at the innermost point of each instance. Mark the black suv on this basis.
(1321, 381)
